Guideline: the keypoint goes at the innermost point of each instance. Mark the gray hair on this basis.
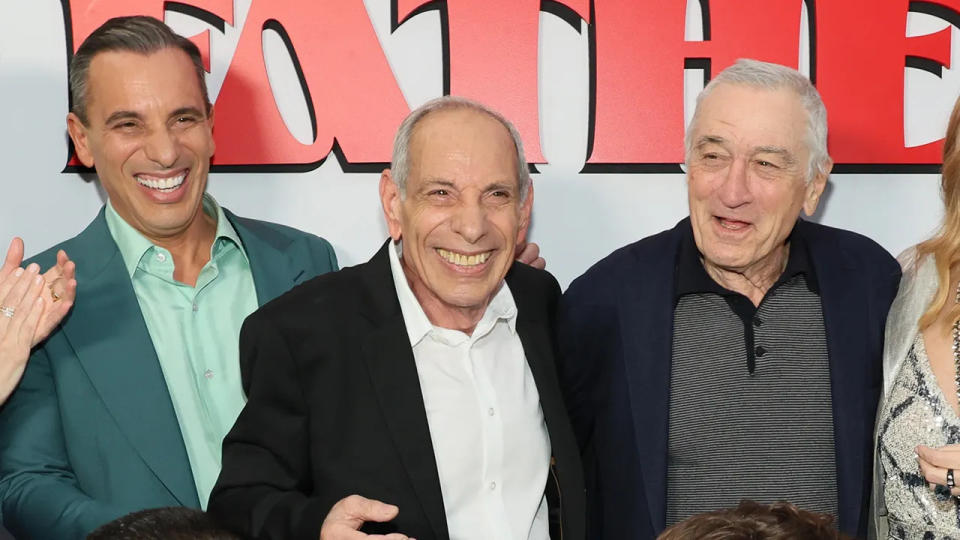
(400, 165)
(768, 76)
(139, 34)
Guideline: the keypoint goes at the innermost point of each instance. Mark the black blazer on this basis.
(334, 408)
(616, 335)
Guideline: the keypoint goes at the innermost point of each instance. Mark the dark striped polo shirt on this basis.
(751, 414)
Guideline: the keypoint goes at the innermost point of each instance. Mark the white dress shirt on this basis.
(483, 409)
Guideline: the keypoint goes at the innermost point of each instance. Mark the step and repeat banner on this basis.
(308, 94)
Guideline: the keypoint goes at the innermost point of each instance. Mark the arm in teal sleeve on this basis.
(40, 494)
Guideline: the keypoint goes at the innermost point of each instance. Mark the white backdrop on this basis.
(578, 218)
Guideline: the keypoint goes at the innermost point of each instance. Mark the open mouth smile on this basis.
(461, 259)
(731, 224)
(163, 185)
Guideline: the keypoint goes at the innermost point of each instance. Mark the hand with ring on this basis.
(938, 466)
(31, 306)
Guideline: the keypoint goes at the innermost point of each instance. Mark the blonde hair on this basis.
(945, 245)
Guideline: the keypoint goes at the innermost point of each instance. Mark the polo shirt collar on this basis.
(692, 277)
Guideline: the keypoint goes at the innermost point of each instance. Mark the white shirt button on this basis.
(196, 307)
(161, 257)
(493, 486)
(208, 373)
(490, 411)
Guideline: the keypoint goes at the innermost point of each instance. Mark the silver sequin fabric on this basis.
(915, 413)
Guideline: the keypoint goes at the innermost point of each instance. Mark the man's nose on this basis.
(161, 148)
(470, 221)
(735, 189)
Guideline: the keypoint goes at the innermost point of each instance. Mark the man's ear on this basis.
(526, 211)
(390, 201)
(81, 144)
(213, 141)
(814, 189)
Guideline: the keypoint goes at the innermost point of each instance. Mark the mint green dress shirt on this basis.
(195, 332)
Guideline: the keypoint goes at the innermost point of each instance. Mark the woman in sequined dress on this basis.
(918, 428)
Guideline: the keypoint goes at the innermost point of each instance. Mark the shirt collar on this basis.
(693, 278)
(133, 245)
(501, 307)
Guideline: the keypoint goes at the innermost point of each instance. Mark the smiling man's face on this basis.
(149, 137)
(461, 217)
(747, 174)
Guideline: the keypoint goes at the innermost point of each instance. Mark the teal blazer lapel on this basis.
(109, 336)
(275, 267)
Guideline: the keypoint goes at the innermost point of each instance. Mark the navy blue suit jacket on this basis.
(616, 331)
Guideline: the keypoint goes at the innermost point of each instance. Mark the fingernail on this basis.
(33, 268)
(18, 272)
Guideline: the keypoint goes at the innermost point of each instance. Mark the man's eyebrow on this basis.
(434, 182)
(779, 150)
(122, 115)
(498, 186)
(709, 139)
(429, 183)
(188, 111)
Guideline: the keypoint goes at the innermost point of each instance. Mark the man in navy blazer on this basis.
(737, 355)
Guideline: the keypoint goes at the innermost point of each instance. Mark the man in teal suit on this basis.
(125, 405)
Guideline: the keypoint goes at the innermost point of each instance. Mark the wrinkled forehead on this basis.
(468, 139)
(747, 116)
(131, 75)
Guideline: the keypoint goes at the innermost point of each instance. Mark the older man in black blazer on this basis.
(737, 355)
(414, 394)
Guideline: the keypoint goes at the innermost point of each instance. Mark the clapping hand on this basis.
(31, 306)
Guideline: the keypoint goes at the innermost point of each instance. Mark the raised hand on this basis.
(529, 254)
(30, 308)
(61, 281)
(20, 310)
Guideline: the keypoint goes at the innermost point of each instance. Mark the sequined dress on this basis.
(914, 413)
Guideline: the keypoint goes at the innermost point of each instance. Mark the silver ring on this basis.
(950, 482)
(7, 311)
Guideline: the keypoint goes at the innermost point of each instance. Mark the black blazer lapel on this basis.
(393, 371)
(846, 320)
(533, 327)
(536, 311)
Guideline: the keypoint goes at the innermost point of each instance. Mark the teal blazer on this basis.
(91, 434)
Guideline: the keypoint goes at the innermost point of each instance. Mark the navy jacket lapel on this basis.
(845, 319)
(646, 328)
(110, 338)
(394, 374)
